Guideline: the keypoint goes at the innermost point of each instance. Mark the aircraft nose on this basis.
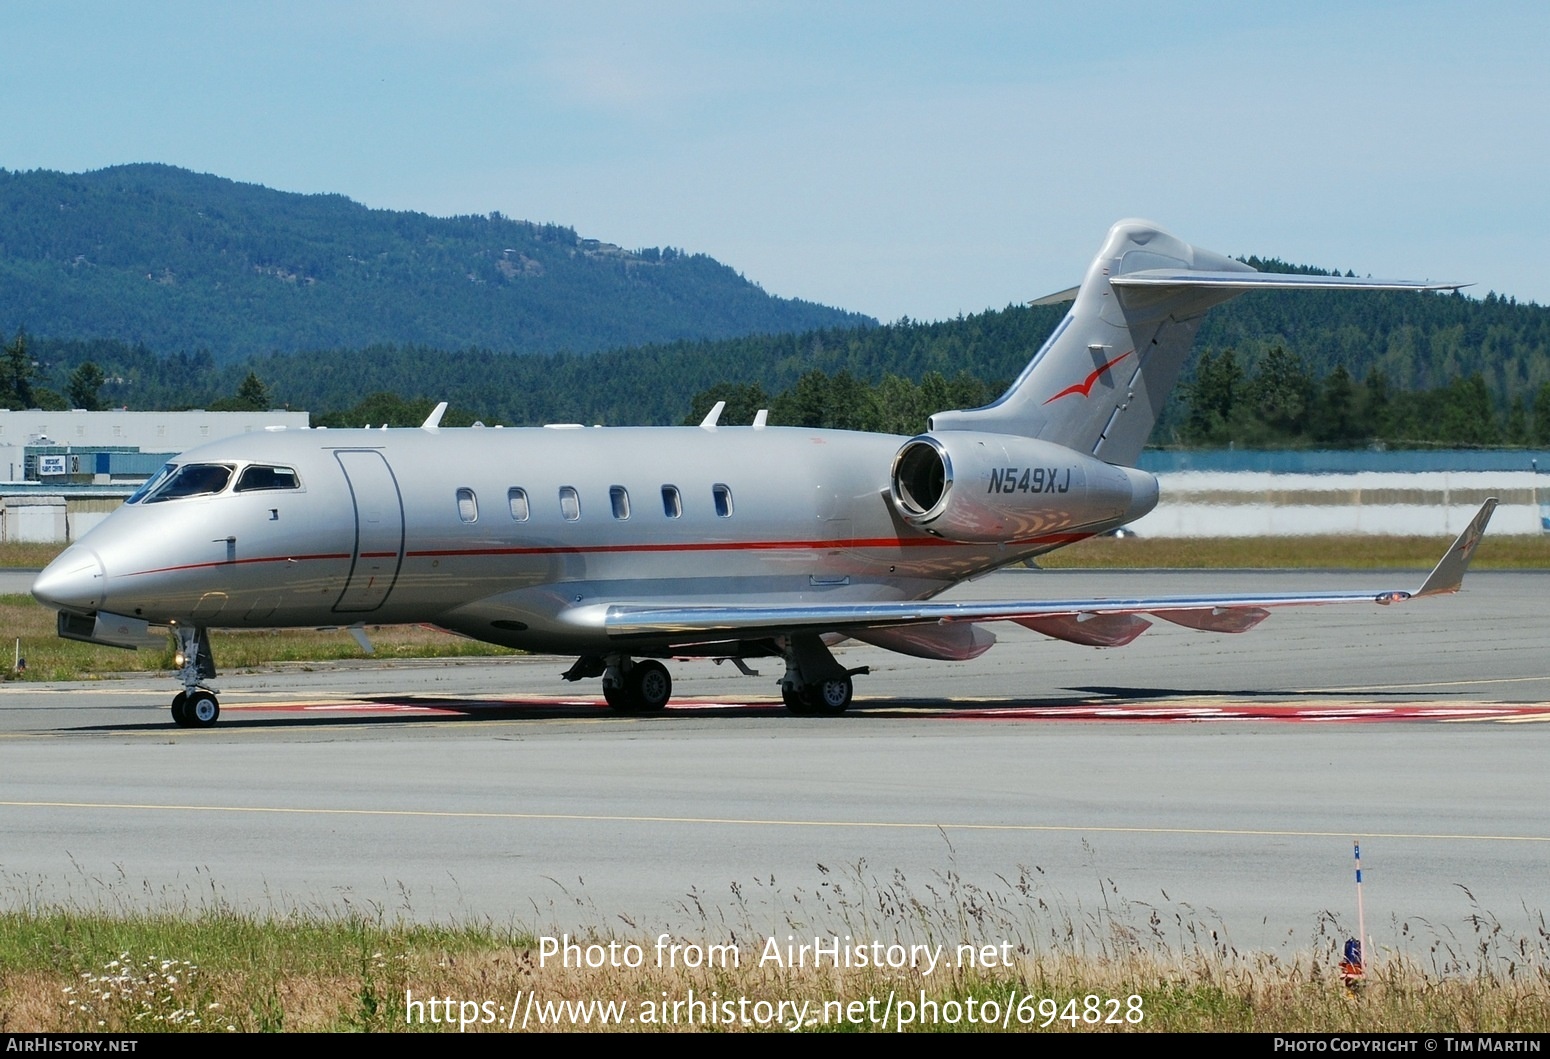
(74, 581)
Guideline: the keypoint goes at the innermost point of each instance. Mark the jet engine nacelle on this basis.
(974, 487)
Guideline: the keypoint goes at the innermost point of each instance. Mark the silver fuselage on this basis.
(413, 525)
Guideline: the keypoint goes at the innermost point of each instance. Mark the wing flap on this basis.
(1234, 619)
(1090, 630)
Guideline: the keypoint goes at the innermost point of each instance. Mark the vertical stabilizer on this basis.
(1101, 379)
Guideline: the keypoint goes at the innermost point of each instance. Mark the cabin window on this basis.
(517, 499)
(619, 497)
(467, 505)
(723, 495)
(672, 503)
(191, 479)
(570, 504)
(256, 479)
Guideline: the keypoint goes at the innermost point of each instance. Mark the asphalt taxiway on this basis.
(1186, 783)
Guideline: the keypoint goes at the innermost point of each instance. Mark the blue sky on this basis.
(897, 159)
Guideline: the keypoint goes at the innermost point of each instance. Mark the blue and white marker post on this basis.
(1354, 964)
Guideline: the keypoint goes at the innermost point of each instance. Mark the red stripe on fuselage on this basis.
(604, 549)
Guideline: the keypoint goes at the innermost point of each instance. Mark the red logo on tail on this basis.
(1085, 388)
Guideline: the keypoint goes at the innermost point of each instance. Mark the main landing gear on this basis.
(815, 684)
(196, 705)
(638, 687)
(629, 686)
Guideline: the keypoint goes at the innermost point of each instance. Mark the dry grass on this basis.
(27, 555)
(50, 658)
(215, 968)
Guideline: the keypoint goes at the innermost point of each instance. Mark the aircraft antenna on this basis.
(712, 417)
(433, 421)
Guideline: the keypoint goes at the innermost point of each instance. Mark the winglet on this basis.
(433, 421)
(1448, 574)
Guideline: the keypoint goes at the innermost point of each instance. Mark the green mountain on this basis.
(181, 261)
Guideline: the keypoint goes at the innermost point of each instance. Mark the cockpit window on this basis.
(256, 478)
(151, 483)
(191, 479)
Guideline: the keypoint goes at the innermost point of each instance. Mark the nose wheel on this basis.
(198, 710)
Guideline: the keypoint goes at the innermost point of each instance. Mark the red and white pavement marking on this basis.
(1327, 711)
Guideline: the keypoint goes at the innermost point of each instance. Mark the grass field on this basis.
(50, 658)
(1028, 966)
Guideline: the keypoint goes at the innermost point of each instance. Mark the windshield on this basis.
(191, 479)
(151, 483)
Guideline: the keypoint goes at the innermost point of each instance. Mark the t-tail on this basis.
(1099, 382)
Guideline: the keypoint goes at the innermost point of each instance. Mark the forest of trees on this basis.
(1274, 401)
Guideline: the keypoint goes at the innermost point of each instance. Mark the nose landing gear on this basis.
(196, 705)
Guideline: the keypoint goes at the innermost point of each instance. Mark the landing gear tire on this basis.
(825, 698)
(650, 685)
(198, 709)
(202, 710)
(647, 688)
(830, 696)
(794, 700)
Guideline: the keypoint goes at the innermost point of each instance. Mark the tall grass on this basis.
(211, 966)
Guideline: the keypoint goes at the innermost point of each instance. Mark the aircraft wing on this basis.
(1098, 622)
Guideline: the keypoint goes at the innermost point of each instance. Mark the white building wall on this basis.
(146, 431)
(1256, 504)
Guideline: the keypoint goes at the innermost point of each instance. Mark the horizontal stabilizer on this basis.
(1060, 297)
(1247, 281)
